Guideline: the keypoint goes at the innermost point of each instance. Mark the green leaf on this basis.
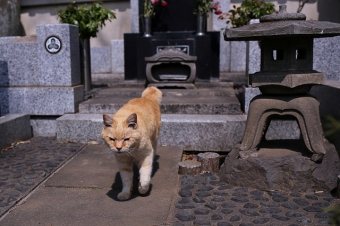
(88, 19)
(249, 9)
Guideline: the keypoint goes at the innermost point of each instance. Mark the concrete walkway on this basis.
(83, 192)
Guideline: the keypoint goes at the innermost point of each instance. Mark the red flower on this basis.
(218, 12)
(164, 3)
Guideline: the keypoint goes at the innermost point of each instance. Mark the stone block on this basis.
(238, 56)
(326, 57)
(134, 4)
(80, 128)
(282, 130)
(4, 40)
(58, 68)
(117, 55)
(14, 127)
(101, 59)
(224, 55)
(4, 79)
(41, 100)
(30, 64)
(202, 132)
(253, 58)
(19, 64)
(192, 132)
(44, 126)
(184, 105)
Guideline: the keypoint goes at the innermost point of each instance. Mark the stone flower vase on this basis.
(147, 27)
(85, 63)
(201, 24)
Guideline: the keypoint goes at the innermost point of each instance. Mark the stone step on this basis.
(117, 81)
(175, 101)
(192, 132)
(136, 92)
(13, 128)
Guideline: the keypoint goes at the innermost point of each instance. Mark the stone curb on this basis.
(14, 127)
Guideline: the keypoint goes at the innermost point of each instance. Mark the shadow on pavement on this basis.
(117, 184)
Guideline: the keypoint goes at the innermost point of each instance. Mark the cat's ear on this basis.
(108, 121)
(132, 121)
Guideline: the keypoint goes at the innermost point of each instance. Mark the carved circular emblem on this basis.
(53, 44)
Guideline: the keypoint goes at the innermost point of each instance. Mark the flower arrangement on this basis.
(150, 5)
(249, 9)
(88, 19)
(205, 6)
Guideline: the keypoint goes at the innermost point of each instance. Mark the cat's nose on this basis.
(118, 149)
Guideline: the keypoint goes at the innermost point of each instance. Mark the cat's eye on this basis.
(113, 139)
(126, 139)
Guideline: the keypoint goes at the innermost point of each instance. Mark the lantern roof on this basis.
(282, 24)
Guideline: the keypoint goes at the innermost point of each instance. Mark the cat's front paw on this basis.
(124, 196)
(143, 188)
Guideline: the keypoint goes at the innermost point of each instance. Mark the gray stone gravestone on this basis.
(40, 75)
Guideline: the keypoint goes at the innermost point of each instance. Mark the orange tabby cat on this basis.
(132, 133)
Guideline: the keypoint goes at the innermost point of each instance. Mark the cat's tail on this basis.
(153, 93)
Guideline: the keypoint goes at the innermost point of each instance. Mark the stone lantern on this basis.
(286, 76)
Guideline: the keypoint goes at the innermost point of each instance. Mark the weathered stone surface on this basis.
(304, 108)
(10, 18)
(282, 169)
(46, 101)
(326, 173)
(209, 161)
(189, 167)
(14, 127)
(207, 132)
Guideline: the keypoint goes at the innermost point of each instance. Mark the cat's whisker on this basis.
(131, 154)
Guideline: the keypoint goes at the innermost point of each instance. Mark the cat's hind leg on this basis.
(145, 171)
(126, 173)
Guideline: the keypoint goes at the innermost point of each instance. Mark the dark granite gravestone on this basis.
(173, 26)
(178, 15)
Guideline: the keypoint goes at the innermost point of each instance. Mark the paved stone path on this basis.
(204, 200)
(25, 166)
(201, 199)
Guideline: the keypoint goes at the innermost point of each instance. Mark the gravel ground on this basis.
(205, 200)
(25, 166)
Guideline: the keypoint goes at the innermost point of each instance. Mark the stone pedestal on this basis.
(288, 169)
(303, 108)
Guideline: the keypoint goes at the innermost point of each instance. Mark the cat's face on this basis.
(121, 135)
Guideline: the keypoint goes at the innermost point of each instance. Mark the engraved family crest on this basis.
(53, 44)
